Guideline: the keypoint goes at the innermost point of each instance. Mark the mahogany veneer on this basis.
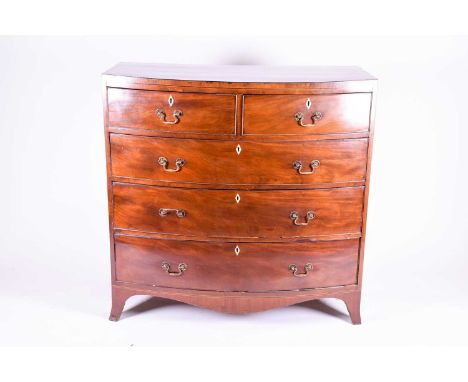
(260, 163)
(259, 214)
(271, 114)
(259, 267)
(238, 188)
(201, 113)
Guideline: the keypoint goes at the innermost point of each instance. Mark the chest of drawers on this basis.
(238, 188)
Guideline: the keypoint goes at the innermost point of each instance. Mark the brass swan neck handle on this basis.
(294, 215)
(297, 165)
(164, 162)
(315, 117)
(182, 267)
(307, 268)
(177, 115)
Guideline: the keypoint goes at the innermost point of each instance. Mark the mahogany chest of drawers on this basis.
(238, 188)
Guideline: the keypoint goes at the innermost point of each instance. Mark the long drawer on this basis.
(228, 162)
(172, 112)
(234, 213)
(236, 267)
(306, 115)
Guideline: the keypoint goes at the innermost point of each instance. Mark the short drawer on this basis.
(306, 115)
(234, 213)
(250, 267)
(176, 113)
(230, 162)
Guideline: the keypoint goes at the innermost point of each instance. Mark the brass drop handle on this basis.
(164, 163)
(316, 116)
(182, 267)
(297, 165)
(163, 212)
(177, 114)
(308, 267)
(294, 215)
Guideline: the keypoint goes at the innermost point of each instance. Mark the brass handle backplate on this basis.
(163, 212)
(316, 116)
(297, 165)
(294, 215)
(177, 114)
(308, 267)
(182, 267)
(164, 163)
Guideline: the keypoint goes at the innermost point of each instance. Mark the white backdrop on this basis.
(54, 256)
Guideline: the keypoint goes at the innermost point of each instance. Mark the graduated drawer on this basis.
(234, 213)
(248, 267)
(230, 162)
(320, 114)
(172, 112)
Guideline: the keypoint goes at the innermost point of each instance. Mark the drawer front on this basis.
(218, 162)
(172, 112)
(252, 267)
(234, 213)
(324, 114)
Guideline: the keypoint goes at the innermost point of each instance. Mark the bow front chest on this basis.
(238, 188)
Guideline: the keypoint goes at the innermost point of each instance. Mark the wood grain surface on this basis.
(275, 114)
(256, 267)
(258, 163)
(201, 113)
(215, 213)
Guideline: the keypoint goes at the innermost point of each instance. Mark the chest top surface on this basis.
(241, 73)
